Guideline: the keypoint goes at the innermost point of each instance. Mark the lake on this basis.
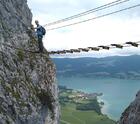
(117, 93)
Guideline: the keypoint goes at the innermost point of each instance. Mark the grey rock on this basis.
(132, 113)
(28, 88)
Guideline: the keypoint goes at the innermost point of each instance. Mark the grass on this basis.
(72, 116)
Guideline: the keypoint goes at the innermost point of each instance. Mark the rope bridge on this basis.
(79, 50)
(98, 48)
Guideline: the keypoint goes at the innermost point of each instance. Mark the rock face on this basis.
(28, 91)
(132, 114)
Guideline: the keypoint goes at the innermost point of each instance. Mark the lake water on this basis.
(117, 93)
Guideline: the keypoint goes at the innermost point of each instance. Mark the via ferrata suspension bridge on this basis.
(91, 48)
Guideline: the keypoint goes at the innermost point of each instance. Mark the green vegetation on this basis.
(123, 67)
(46, 98)
(20, 55)
(92, 105)
(80, 110)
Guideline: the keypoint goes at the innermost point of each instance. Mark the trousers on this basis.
(40, 43)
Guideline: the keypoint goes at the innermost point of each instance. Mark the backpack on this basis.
(43, 30)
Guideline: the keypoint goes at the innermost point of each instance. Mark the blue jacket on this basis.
(39, 31)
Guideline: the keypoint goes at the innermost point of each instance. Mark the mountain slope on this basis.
(132, 114)
(117, 66)
(28, 92)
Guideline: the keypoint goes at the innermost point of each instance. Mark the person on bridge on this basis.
(40, 31)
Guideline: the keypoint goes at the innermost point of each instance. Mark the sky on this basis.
(116, 28)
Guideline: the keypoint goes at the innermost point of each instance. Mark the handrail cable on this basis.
(97, 17)
(105, 6)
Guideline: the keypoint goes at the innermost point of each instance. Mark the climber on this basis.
(40, 31)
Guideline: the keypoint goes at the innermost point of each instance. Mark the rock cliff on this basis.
(132, 114)
(28, 91)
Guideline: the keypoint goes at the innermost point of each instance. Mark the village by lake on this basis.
(116, 94)
(75, 104)
(79, 95)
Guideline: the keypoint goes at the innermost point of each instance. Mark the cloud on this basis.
(117, 28)
(99, 32)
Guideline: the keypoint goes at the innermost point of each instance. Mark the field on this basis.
(70, 115)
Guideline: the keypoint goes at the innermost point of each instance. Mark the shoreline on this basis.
(105, 108)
